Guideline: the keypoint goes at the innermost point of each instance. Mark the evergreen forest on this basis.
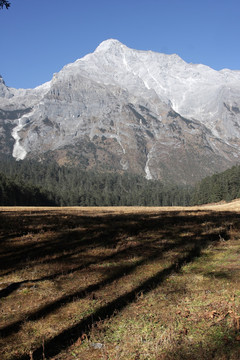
(29, 182)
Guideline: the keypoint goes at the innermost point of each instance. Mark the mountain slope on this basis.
(123, 109)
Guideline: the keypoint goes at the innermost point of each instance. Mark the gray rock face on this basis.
(122, 109)
(4, 91)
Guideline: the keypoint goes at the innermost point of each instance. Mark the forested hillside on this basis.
(17, 193)
(66, 186)
(222, 186)
(30, 182)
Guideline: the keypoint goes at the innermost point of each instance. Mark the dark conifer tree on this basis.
(4, 3)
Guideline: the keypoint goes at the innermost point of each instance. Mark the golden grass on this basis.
(221, 206)
(142, 283)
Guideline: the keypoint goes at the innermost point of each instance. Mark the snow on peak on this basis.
(195, 91)
(108, 44)
(44, 87)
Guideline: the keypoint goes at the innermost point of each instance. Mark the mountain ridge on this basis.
(124, 109)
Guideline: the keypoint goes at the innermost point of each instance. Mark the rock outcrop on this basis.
(121, 109)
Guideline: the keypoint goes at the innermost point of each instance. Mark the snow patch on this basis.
(148, 173)
(19, 153)
(147, 169)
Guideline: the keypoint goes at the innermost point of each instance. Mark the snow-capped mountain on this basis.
(124, 109)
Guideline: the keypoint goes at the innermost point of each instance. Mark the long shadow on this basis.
(179, 223)
(63, 242)
(117, 255)
(63, 340)
(122, 271)
(72, 241)
(98, 241)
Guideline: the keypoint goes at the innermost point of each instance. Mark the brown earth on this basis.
(120, 283)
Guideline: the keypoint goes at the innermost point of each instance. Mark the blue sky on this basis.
(39, 37)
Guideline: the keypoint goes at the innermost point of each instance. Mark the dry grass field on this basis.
(120, 283)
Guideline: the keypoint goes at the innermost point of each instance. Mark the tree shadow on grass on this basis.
(74, 233)
(104, 233)
(134, 250)
(64, 339)
(221, 345)
(171, 227)
(151, 253)
(68, 236)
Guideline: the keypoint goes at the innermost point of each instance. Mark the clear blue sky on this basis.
(39, 37)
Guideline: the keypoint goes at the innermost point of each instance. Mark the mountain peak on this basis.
(109, 44)
(124, 109)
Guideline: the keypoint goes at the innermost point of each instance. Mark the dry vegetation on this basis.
(120, 283)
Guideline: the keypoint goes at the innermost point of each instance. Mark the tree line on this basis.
(218, 187)
(72, 186)
(16, 194)
(29, 182)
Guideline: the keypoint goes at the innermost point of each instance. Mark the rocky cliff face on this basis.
(122, 109)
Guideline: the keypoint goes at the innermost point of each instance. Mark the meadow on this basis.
(128, 283)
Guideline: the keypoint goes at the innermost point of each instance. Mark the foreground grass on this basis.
(119, 283)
